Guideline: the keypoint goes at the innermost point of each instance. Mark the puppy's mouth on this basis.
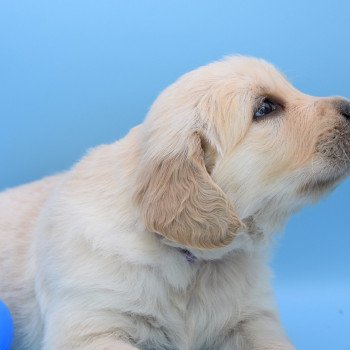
(334, 149)
(332, 161)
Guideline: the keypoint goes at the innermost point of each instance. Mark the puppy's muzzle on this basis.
(343, 106)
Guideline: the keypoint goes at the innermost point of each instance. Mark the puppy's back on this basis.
(19, 211)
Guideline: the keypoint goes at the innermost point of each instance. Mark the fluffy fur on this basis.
(90, 259)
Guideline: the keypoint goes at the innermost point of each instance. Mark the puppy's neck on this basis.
(251, 239)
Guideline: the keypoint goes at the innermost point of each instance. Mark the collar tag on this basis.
(188, 255)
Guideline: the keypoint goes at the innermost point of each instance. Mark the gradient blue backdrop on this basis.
(77, 73)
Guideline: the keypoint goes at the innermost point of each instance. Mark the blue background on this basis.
(75, 74)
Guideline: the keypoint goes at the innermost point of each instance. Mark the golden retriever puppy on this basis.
(161, 240)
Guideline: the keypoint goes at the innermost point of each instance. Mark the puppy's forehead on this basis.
(258, 75)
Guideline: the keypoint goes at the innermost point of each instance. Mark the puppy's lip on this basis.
(333, 148)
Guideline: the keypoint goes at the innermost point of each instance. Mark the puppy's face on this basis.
(234, 139)
(293, 147)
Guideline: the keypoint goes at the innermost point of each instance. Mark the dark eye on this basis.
(266, 107)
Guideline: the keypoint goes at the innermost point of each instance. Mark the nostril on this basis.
(344, 109)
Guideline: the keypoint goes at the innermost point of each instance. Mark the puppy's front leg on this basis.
(94, 343)
(84, 330)
(263, 332)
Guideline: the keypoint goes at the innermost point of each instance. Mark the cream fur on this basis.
(89, 258)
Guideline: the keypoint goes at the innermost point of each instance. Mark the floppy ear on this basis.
(179, 200)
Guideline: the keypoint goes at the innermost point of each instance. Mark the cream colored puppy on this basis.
(160, 240)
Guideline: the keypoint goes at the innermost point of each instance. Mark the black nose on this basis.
(344, 108)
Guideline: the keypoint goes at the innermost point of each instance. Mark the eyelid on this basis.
(276, 101)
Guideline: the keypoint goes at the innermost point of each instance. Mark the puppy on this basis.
(161, 240)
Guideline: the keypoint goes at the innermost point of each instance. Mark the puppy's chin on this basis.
(326, 180)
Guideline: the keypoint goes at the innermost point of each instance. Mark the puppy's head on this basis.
(231, 140)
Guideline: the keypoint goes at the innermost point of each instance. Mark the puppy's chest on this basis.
(195, 317)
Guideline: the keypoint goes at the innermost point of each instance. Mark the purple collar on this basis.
(188, 255)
